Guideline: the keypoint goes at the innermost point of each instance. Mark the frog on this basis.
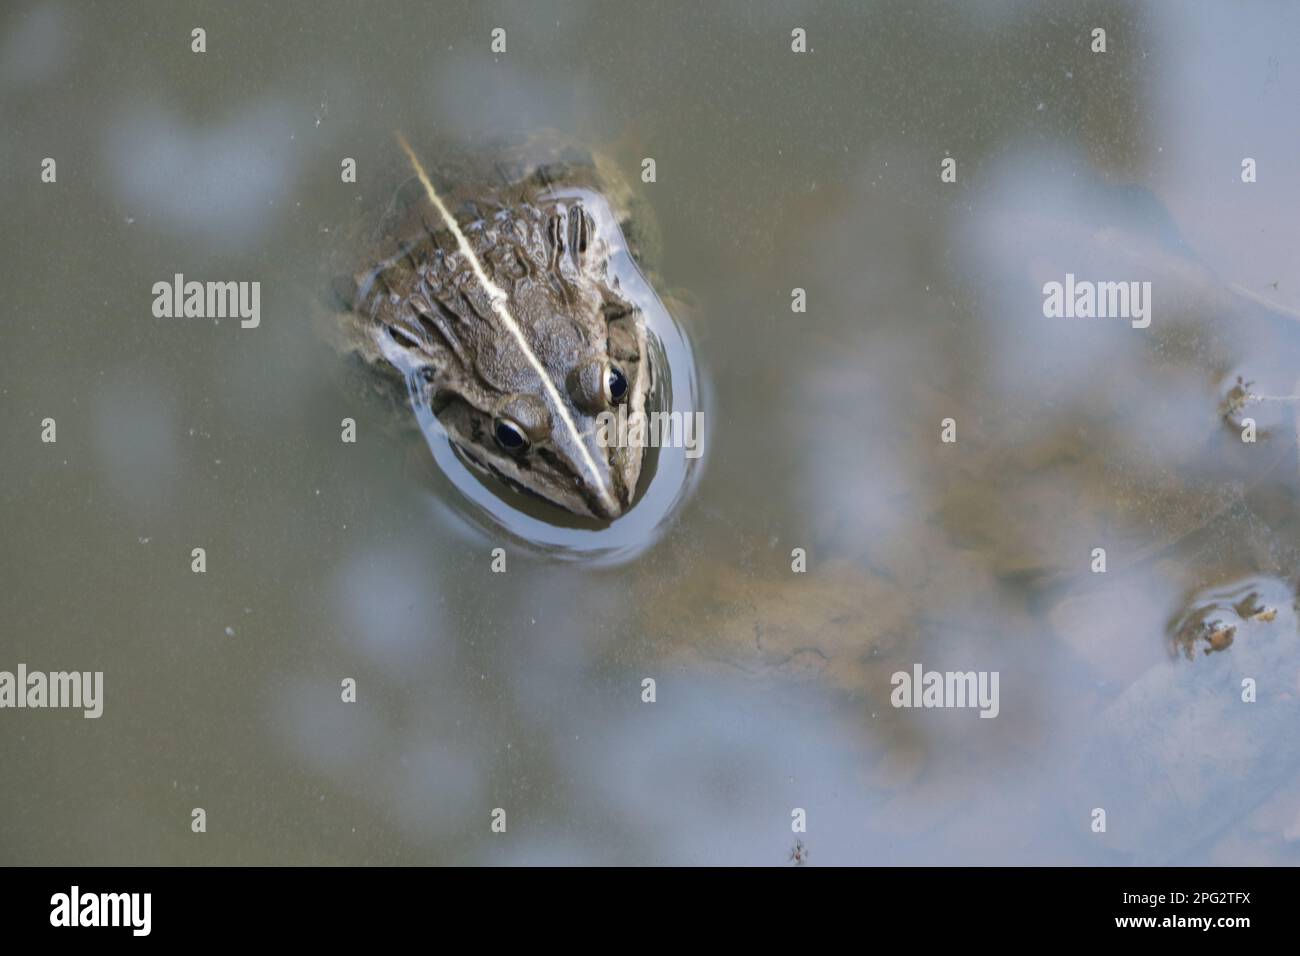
(491, 300)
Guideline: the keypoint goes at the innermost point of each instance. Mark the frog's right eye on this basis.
(615, 385)
(510, 436)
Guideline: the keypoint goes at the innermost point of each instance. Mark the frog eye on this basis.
(510, 436)
(615, 385)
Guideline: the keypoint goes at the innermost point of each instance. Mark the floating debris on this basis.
(799, 853)
(1211, 623)
(1238, 397)
(1169, 754)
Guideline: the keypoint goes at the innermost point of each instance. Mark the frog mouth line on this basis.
(593, 502)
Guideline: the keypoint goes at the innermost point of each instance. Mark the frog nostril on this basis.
(608, 510)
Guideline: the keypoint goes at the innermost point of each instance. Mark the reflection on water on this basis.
(525, 690)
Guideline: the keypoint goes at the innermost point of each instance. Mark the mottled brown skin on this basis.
(424, 314)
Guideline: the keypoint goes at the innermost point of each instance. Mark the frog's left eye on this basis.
(510, 436)
(615, 385)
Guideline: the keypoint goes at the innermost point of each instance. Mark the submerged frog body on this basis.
(504, 319)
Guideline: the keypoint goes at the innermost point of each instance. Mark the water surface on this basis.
(523, 690)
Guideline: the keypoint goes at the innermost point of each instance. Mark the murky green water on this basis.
(523, 690)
